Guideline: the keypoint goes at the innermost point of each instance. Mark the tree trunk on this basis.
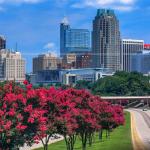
(100, 134)
(91, 135)
(84, 140)
(70, 141)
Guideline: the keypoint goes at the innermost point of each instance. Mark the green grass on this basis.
(120, 139)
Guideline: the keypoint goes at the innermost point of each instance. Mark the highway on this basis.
(140, 125)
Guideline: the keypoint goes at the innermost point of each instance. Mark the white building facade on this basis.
(71, 76)
(12, 66)
(129, 48)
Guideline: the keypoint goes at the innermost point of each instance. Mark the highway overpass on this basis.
(126, 98)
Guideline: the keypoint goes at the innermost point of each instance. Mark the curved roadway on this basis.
(140, 128)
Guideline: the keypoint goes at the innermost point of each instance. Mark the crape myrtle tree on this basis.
(111, 116)
(66, 118)
(87, 116)
(13, 120)
(30, 115)
(42, 114)
(37, 119)
(52, 112)
(22, 116)
(60, 116)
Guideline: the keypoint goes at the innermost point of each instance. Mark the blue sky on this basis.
(34, 24)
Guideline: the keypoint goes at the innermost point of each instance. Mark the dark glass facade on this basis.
(2, 42)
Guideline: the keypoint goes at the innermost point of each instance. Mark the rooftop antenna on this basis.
(16, 47)
(65, 20)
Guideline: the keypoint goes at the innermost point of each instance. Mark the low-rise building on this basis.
(69, 61)
(48, 76)
(84, 60)
(140, 62)
(146, 46)
(70, 76)
(77, 61)
(46, 62)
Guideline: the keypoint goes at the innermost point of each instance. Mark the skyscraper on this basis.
(129, 48)
(64, 26)
(73, 40)
(106, 42)
(2, 42)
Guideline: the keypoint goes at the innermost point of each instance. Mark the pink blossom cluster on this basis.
(28, 115)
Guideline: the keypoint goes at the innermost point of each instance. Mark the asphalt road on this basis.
(142, 124)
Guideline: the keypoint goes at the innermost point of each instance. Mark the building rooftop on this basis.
(65, 21)
(87, 70)
(132, 40)
(108, 12)
(2, 37)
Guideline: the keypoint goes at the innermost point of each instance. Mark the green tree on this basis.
(123, 83)
(83, 84)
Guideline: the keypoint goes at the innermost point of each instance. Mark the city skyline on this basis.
(37, 30)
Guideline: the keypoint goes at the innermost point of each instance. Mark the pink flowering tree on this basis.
(30, 115)
(66, 118)
(118, 116)
(87, 114)
(41, 114)
(111, 117)
(12, 116)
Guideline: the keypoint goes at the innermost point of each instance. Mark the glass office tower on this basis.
(73, 40)
(106, 41)
(2, 42)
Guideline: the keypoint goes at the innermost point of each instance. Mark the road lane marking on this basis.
(136, 140)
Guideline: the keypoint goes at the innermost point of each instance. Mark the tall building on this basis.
(106, 42)
(129, 48)
(46, 62)
(2, 42)
(73, 40)
(140, 62)
(12, 66)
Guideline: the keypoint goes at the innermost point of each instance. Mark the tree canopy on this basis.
(120, 84)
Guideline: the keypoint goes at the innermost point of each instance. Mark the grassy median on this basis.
(120, 139)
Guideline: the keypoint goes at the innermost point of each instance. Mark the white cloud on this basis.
(19, 1)
(127, 1)
(49, 45)
(121, 5)
(51, 48)
(123, 8)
